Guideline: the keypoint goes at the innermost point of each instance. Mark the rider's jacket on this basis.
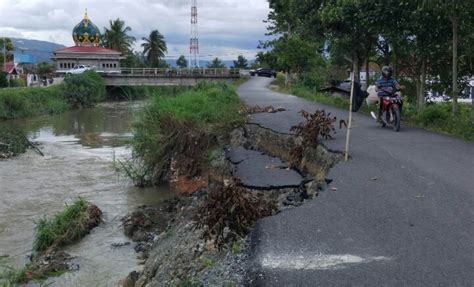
(382, 83)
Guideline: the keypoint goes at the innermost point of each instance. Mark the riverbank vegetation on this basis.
(77, 91)
(14, 142)
(66, 227)
(319, 42)
(75, 221)
(28, 102)
(83, 90)
(179, 132)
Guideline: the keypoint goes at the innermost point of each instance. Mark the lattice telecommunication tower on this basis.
(194, 40)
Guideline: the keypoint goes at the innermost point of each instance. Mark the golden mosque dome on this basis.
(86, 33)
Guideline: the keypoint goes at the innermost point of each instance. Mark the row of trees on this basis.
(425, 41)
(154, 46)
(117, 37)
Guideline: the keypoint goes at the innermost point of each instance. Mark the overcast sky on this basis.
(227, 28)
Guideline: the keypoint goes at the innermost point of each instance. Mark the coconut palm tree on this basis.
(154, 48)
(116, 37)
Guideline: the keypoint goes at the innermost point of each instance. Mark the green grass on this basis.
(66, 227)
(207, 105)
(435, 117)
(438, 118)
(27, 102)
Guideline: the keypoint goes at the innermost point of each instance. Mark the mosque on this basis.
(87, 50)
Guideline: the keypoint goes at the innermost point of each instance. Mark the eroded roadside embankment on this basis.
(261, 164)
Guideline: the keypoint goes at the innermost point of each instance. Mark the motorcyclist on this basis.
(385, 86)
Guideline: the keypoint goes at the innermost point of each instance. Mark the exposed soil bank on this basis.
(178, 254)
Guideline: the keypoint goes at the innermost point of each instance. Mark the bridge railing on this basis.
(182, 72)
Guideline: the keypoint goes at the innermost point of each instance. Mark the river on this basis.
(79, 149)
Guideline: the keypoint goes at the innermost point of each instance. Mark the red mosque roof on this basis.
(87, 49)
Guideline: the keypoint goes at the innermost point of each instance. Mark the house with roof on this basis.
(11, 69)
(87, 51)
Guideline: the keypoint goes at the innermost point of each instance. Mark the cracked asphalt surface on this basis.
(398, 213)
(260, 171)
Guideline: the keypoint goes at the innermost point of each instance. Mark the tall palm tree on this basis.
(116, 37)
(154, 48)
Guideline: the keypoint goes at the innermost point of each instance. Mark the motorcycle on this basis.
(391, 110)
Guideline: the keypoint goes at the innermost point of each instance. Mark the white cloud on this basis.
(225, 26)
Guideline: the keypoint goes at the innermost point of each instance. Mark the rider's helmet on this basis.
(387, 72)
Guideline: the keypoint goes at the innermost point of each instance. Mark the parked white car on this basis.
(79, 69)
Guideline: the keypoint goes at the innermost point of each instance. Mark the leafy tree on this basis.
(459, 13)
(267, 59)
(134, 60)
(241, 63)
(116, 37)
(44, 68)
(216, 64)
(8, 47)
(295, 55)
(182, 62)
(154, 48)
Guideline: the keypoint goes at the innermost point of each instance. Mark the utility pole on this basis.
(194, 40)
(4, 55)
(349, 125)
(5, 59)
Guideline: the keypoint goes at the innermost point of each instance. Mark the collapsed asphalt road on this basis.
(399, 213)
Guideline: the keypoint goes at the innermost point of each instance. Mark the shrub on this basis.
(231, 207)
(12, 142)
(280, 79)
(434, 114)
(317, 125)
(16, 83)
(84, 90)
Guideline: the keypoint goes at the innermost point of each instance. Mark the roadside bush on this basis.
(280, 79)
(437, 117)
(84, 90)
(434, 114)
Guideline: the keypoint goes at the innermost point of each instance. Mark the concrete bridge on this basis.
(168, 77)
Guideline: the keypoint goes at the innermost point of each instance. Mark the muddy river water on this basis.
(79, 149)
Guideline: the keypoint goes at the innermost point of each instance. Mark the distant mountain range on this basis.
(37, 50)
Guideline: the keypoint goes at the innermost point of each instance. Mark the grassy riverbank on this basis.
(435, 117)
(28, 102)
(77, 91)
(184, 129)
